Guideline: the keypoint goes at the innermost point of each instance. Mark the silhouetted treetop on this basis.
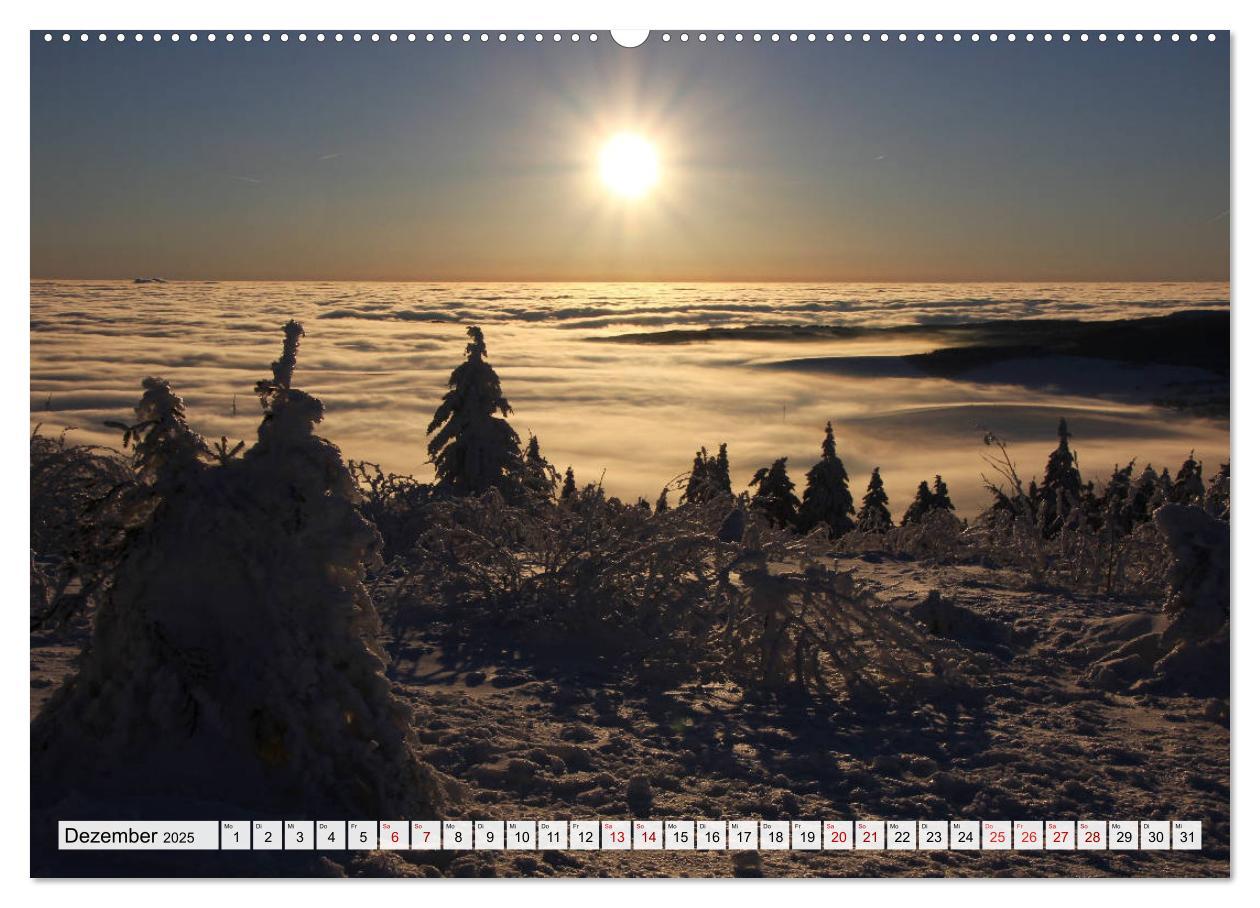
(775, 495)
(827, 498)
(710, 477)
(874, 516)
(473, 449)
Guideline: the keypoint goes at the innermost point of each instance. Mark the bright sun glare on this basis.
(628, 165)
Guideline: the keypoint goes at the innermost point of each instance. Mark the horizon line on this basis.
(681, 280)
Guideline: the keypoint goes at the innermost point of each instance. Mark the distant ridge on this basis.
(1197, 338)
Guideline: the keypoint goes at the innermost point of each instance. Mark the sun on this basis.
(628, 165)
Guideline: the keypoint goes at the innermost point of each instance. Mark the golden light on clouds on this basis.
(628, 165)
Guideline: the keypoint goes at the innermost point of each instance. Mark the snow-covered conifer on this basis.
(235, 657)
(1188, 486)
(874, 516)
(721, 472)
(775, 495)
(1216, 498)
(940, 495)
(539, 475)
(920, 506)
(473, 449)
(1061, 488)
(827, 498)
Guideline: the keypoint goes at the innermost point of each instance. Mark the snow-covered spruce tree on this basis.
(775, 495)
(166, 449)
(920, 506)
(472, 449)
(720, 471)
(1144, 496)
(710, 478)
(827, 498)
(874, 516)
(1061, 488)
(1116, 513)
(1162, 492)
(86, 506)
(1216, 498)
(538, 475)
(234, 667)
(1188, 486)
(696, 489)
(940, 495)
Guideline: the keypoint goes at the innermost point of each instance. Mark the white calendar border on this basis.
(1074, 14)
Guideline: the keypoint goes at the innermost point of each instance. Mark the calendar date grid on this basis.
(635, 835)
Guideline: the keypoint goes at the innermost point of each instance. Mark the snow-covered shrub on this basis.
(1061, 535)
(166, 455)
(936, 535)
(584, 567)
(235, 658)
(675, 592)
(1079, 557)
(73, 538)
(394, 504)
(810, 629)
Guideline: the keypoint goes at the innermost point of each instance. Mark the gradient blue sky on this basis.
(1011, 162)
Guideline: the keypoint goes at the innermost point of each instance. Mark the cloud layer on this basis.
(379, 356)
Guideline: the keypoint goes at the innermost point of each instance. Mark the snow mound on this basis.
(1190, 655)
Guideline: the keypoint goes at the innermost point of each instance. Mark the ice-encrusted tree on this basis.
(234, 663)
(1188, 486)
(920, 506)
(1216, 498)
(775, 494)
(874, 516)
(539, 475)
(710, 478)
(569, 488)
(827, 499)
(940, 495)
(697, 480)
(1144, 497)
(1117, 513)
(473, 449)
(1163, 489)
(1060, 489)
(721, 472)
(166, 450)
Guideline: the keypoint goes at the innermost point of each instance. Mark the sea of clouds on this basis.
(379, 356)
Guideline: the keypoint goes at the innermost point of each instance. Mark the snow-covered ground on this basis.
(530, 734)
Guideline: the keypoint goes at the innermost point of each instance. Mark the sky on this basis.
(786, 162)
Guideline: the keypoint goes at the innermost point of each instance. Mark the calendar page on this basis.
(534, 453)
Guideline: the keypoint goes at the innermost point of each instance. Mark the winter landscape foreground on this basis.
(266, 629)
